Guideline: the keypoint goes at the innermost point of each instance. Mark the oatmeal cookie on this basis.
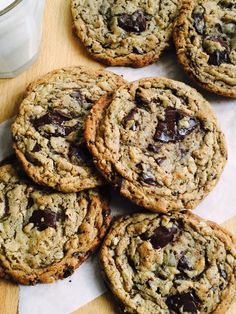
(205, 39)
(158, 142)
(124, 32)
(45, 235)
(170, 263)
(48, 130)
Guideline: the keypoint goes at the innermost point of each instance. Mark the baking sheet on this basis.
(86, 283)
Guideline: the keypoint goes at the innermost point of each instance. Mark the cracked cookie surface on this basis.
(45, 235)
(48, 130)
(158, 142)
(176, 263)
(205, 39)
(125, 32)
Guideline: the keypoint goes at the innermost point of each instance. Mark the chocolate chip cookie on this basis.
(125, 32)
(158, 142)
(45, 235)
(205, 38)
(176, 263)
(48, 131)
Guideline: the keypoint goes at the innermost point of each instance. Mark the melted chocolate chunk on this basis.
(140, 100)
(169, 131)
(183, 264)
(135, 22)
(77, 96)
(42, 219)
(78, 153)
(186, 302)
(36, 148)
(199, 23)
(162, 236)
(129, 116)
(68, 271)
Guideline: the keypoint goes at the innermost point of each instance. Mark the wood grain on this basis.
(106, 304)
(59, 48)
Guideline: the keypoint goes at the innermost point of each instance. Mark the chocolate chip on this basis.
(160, 160)
(36, 148)
(162, 236)
(185, 302)
(183, 264)
(135, 22)
(129, 116)
(154, 148)
(223, 274)
(77, 96)
(137, 50)
(199, 23)
(134, 126)
(169, 131)
(79, 153)
(140, 100)
(116, 180)
(131, 262)
(42, 219)
(68, 271)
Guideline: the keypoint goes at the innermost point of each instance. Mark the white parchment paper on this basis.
(86, 283)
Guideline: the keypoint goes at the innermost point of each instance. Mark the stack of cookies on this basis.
(156, 141)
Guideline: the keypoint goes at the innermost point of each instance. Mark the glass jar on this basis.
(20, 35)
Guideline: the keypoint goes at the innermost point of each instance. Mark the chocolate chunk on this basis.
(148, 178)
(135, 22)
(68, 271)
(42, 219)
(129, 116)
(186, 302)
(199, 23)
(183, 264)
(36, 148)
(140, 100)
(77, 96)
(56, 118)
(162, 236)
(169, 131)
(154, 148)
(30, 202)
(52, 117)
(79, 153)
(218, 57)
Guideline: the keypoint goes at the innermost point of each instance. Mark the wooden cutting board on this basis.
(59, 48)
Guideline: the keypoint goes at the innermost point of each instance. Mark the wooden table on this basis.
(59, 48)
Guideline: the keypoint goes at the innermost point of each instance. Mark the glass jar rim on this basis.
(10, 7)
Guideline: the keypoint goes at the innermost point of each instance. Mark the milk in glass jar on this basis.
(20, 35)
